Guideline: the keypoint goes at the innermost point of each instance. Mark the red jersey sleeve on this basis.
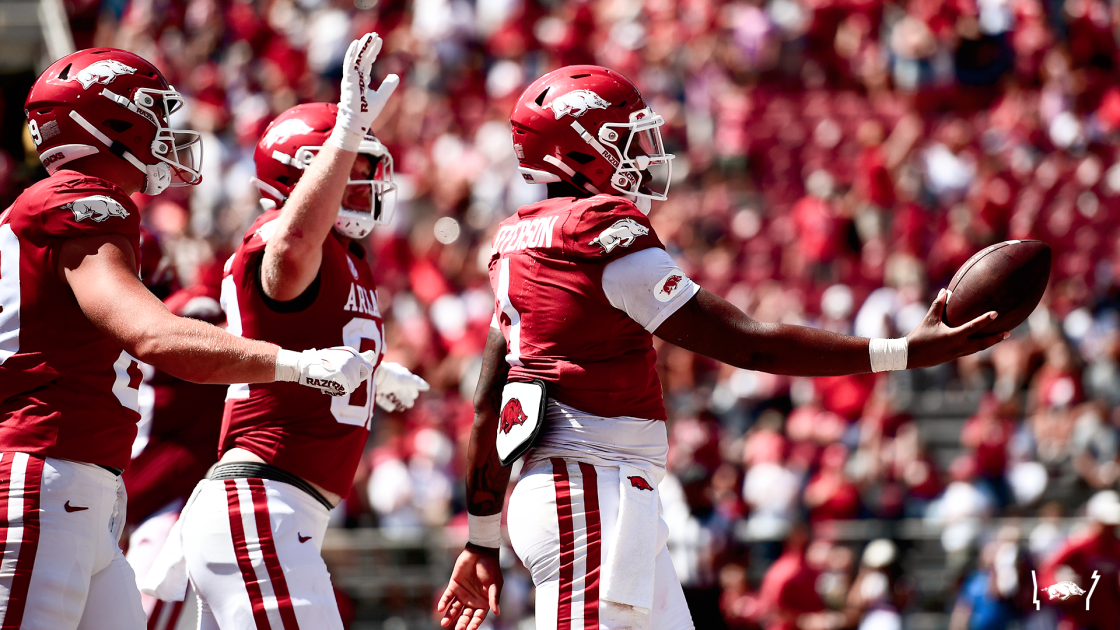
(607, 227)
(76, 205)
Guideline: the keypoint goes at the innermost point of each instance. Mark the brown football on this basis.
(1008, 278)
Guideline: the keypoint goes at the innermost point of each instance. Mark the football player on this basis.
(74, 322)
(582, 283)
(251, 534)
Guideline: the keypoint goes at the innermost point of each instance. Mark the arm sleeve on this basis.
(648, 286)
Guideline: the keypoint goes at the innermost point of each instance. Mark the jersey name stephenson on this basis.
(315, 436)
(560, 324)
(66, 389)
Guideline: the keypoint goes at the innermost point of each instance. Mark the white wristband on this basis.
(484, 531)
(345, 139)
(287, 366)
(888, 354)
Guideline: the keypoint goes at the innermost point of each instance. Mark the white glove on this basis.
(397, 388)
(359, 106)
(336, 371)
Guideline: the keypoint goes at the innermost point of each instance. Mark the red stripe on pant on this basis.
(271, 559)
(29, 543)
(567, 543)
(594, 547)
(244, 562)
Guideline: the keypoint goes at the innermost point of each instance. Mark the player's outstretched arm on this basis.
(476, 580)
(713, 327)
(293, 253)
(101, 272)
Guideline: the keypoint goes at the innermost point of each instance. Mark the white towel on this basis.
(167, 579)
(629, 571)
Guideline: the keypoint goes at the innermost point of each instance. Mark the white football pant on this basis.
(252, 548)
(561, 519)
(61, 566)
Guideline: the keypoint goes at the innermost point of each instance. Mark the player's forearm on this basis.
(486, 477)
(713, 327)
(309, 213)
(201, 353)
(294, 252)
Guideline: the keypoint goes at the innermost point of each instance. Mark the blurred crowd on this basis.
(837, 161)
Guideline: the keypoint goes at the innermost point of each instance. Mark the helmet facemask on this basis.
(180, 149)
(642, 167)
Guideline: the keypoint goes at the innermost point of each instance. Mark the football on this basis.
(1008, 278)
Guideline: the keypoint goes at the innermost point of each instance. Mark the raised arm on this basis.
(101, 272)
(713, 327)
(476, 581)
(295, 250)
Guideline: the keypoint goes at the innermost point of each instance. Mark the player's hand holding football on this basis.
(336, 371)
(474, 590)
(359, 104)
(933, 343)
(397, 388)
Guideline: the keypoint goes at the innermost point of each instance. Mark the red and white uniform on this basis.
(580, 285)
(316, 437)
(68, 401)
(245, 540)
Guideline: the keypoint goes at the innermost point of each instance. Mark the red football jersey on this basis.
(307, 433)
(546, 270)
(67, 390)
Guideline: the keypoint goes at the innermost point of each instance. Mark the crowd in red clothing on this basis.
(837, 160)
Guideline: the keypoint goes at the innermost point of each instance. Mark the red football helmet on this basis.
(295, 137)
(589, 126)
(112, 101)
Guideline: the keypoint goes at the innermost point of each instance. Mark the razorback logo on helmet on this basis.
(577, 103)
(97, 207)
(667, 287)
(285, 130)
(512, 415)
(622, 233)
(640, 483)
(102, 72)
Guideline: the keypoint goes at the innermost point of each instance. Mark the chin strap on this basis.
(156, 176)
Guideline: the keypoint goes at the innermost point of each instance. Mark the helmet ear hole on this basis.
(581, 158)
(119, 126)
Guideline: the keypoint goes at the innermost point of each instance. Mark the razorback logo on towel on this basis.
(577, 103)
(1063, 590)
(512, 414)
(640, 483)
(623, 233)
(102, 72)
(97, 207)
